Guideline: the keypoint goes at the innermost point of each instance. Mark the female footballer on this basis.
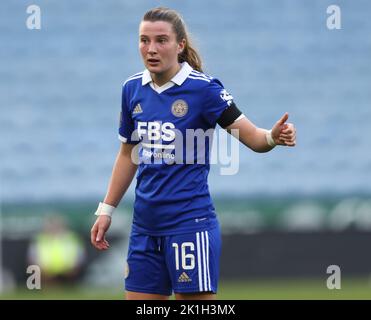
(175, 240)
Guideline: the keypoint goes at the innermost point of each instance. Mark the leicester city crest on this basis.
(179, 108)
(226, 97)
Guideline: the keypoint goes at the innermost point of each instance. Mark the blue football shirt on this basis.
(172, 194)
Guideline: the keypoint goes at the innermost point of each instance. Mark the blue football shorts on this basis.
(184, 263)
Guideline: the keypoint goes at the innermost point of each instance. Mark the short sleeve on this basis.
(216, 101)
(126, 126)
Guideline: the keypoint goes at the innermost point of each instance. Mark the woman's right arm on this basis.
(122, 174)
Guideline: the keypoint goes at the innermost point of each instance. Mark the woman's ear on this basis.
(181, 46)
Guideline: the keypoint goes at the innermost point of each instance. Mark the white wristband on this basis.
(270, 140)
(104, 209)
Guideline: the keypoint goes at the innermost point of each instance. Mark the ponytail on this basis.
(191, 56)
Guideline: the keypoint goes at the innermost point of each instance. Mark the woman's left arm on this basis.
(262, 140)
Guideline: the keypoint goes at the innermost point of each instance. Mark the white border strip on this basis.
(158, 146)
(123, 139)
(203, 259)
(199, 261)
(133, 78)
(199, 78)
(207, 259)
(240, 117)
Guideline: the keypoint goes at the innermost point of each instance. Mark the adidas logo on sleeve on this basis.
(137, 109)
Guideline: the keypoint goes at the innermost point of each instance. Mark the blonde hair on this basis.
(189, 53)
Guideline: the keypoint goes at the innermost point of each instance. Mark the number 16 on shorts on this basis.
(194, 261)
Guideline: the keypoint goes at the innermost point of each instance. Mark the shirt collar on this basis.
(178, 79)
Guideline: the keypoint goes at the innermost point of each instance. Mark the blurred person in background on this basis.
(175, 240)
(58, 251)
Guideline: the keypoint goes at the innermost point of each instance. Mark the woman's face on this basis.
(158, 46)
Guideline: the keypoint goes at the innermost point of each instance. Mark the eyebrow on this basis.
(157, 36)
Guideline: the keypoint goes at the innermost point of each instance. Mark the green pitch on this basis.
(351, 288)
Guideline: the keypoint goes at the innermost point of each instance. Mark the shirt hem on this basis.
(212, 223)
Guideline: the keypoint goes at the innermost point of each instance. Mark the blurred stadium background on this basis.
(286, 216)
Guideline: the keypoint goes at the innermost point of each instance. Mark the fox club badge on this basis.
(226, 97)
(179, 108)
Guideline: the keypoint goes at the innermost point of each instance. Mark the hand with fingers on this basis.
(98, 231)
(283, 133)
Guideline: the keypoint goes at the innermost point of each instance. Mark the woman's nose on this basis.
(152, 48)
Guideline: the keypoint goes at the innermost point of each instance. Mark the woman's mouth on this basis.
(153, 62)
